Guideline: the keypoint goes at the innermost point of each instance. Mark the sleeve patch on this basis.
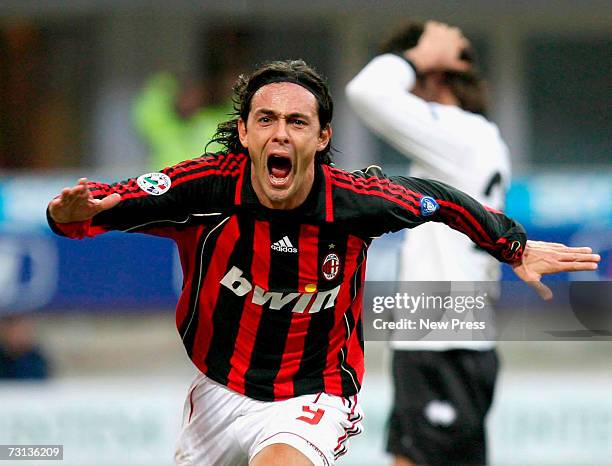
(154, 183)
(428, 206)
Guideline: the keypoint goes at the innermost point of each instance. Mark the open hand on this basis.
(76, 204)
(542, 258)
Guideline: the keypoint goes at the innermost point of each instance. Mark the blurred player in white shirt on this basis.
(425, 97)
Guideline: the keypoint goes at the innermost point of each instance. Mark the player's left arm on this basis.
(413, 201)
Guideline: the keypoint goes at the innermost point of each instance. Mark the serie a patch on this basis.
(154, 183)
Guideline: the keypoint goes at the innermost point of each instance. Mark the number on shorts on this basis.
(316, 415)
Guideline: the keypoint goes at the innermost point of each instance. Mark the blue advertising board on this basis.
(112, 272)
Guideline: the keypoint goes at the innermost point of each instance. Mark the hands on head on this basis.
(439, 49)
(76, 204)
(542, 258)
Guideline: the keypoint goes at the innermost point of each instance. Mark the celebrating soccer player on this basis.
(273, 242)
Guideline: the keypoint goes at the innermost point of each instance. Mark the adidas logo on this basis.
(284, 245)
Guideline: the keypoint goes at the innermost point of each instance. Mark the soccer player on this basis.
(273, 242)
(425, 97)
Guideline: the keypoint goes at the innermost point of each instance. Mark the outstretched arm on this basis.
(413, 201)
(155, 203)
(409, 202)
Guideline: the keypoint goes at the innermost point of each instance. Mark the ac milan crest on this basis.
(331, 266)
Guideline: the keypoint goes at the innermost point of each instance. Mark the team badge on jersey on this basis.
(428, 206)
(331, 266)
(154, 183)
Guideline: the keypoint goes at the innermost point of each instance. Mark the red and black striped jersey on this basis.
(272, 299)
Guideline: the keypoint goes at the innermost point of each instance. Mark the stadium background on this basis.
(70, 72)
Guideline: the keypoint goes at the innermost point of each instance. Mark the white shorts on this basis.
(222, 427)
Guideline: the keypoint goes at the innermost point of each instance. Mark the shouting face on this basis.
(283, 135)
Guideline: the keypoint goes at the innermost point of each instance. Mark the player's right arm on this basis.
(154, 204)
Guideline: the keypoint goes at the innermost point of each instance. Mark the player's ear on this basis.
(242, 133)
(324, 138)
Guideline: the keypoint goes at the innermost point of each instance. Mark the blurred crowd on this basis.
(21, 357)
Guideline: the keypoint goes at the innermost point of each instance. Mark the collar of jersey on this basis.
(313, 207)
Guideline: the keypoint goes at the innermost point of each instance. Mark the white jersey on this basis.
(445, 143)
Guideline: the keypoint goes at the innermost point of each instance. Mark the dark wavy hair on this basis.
(296, 71)
(469, 87)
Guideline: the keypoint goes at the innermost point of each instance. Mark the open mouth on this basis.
(279, 168)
